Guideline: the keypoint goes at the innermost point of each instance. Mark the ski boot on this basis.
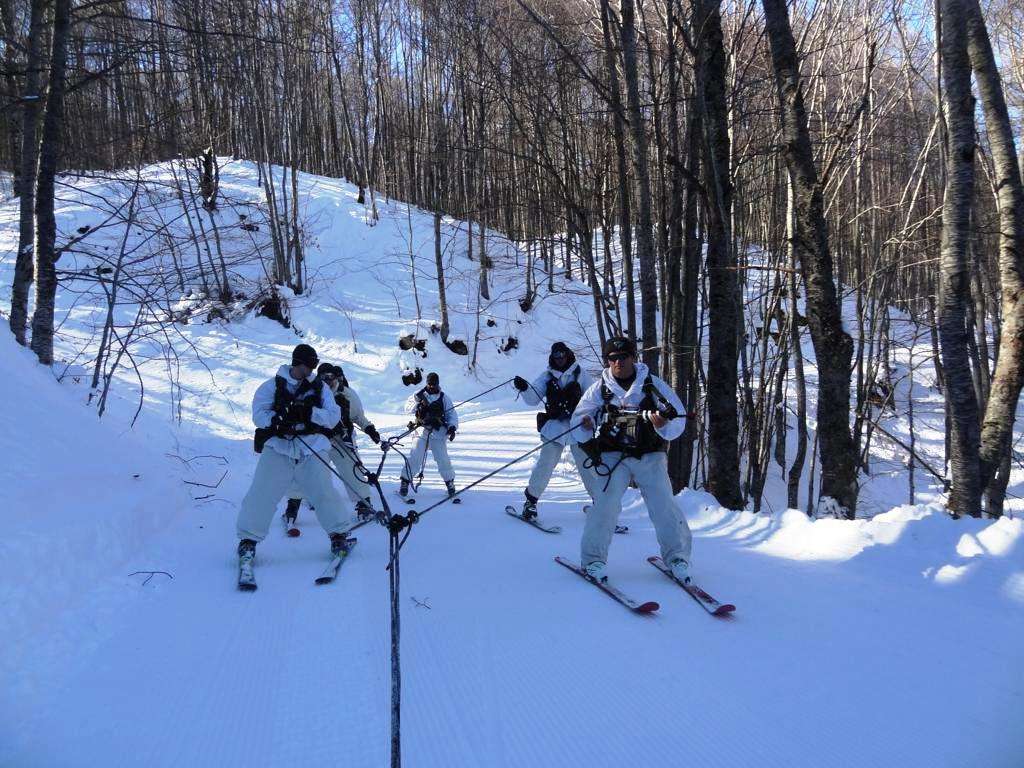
(364, 511)
(291, 511)
(529, 508)
(450, 485)
(596, 571)
(340, 544)
(681, 570)
(403, 488)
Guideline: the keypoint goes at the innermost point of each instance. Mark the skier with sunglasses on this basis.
(624, 423)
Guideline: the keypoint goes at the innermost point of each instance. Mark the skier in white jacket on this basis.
(344, 455)
(292, 412)
(438, 422)
(560, 388)
(624, 423)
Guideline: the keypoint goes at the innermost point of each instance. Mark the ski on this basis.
(410, 500)
(617, 594)
(290, 528)
(331, 571)
(618, 528)
(534, 521)
(706, 601)
(246, 577)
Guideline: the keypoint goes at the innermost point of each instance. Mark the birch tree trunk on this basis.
(644, 226)
(833, 346)
(31, 99)
(1001, 410)
(954, 271)
(723, 310)
(49, 157)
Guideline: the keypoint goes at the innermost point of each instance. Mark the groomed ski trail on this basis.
(514, 663)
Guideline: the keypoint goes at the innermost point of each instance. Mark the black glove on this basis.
(520, 383)
(299, 411)
(372, 433)
(420, 413)
(451, 434)
(281, 427)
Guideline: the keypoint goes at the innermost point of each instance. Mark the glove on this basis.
(520, 383)
(451, 434)
(420, 413)
(372, 433)
(281, 427)
(299, 411)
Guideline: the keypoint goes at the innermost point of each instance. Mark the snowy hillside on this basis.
(882, 641)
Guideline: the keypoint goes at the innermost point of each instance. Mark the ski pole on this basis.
(414, 427)
(372, 479)
(492, 473)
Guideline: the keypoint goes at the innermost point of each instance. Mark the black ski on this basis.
(533, 521)
(410, 500)
(706, 601)
(246, 577)
(331, 571)
(620, 596)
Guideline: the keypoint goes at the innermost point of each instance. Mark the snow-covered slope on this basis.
(81, 499)
(854, 644)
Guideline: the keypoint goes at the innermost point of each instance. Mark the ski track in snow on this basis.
(889, 641)
(517, 663)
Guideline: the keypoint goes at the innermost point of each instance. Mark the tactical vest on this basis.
(562, 401)
(625, 430)
(282, 398)
(432, 414)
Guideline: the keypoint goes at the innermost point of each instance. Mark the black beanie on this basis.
(618, 344)
(305, 355)
(433, 378)
(570, 358)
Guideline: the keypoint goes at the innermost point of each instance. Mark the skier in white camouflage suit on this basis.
(344, 455)
(625, 422)
(438, 422)
(293, 405)
(560, 387)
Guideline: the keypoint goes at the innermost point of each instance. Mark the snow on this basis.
(888, 640)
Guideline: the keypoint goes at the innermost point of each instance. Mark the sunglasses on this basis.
(329, 377)
(617, 357)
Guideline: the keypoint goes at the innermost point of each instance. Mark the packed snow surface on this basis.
(889, 640)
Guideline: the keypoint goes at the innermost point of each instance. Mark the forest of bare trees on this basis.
(731, 177)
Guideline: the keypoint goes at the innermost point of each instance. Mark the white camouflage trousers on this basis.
(651, 475)
(437, 441)
(275, 475)
(345, 461)
(548, 459)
